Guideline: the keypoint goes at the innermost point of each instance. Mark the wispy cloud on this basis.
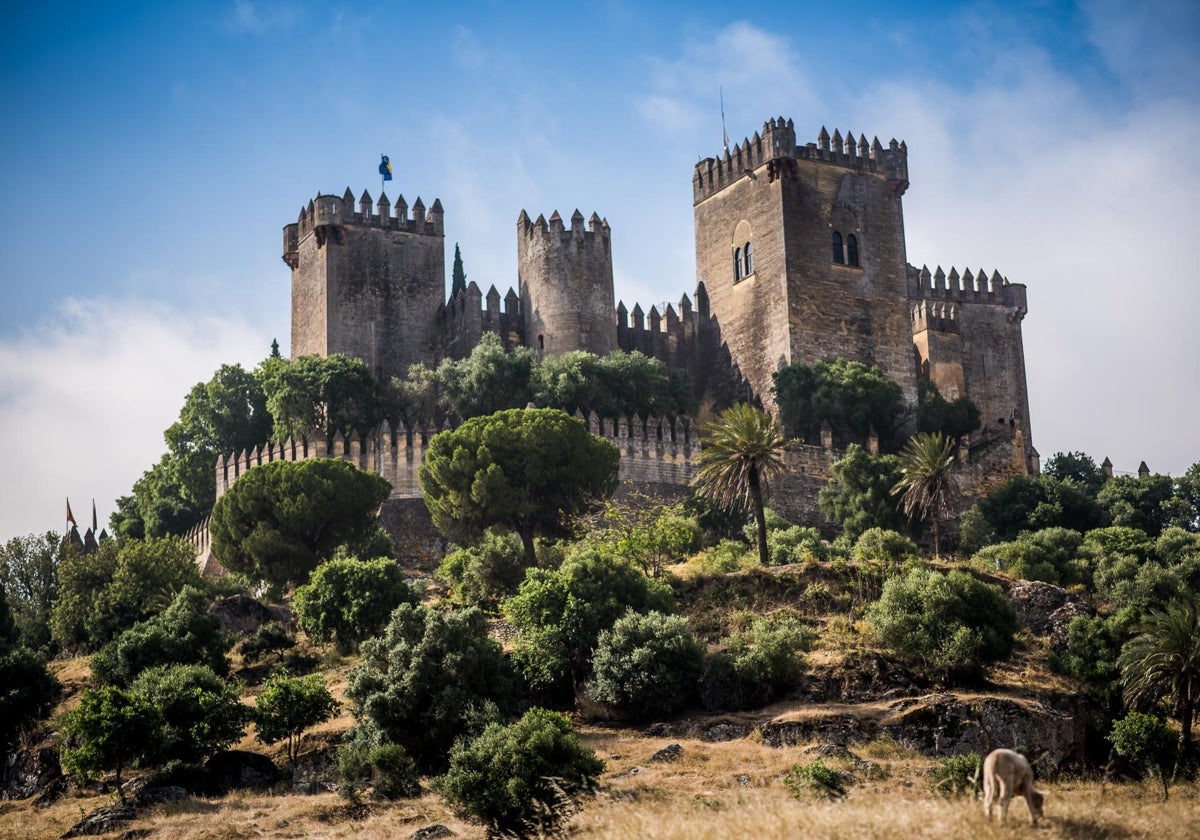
(85, 397)
(248, 17)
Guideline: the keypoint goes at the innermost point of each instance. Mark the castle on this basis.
(800, 256)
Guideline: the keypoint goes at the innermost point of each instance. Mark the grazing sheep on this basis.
(1007, 774)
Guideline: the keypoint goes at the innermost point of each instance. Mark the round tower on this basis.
(566, 284)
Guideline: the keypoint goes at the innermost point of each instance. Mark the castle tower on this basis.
(566, 284)
(801, 252)
(367, 284)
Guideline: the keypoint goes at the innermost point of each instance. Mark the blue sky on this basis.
(154, 151)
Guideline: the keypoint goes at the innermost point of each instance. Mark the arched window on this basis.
(837, 249)
(737, 264)
(541, 342)
(851, 249)
(747, 261)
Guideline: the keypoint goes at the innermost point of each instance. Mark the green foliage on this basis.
(1077, 466)
(1185, 505)
(1031, 503)
(201, 714)
(937, 414)
(788, 543)
(110, 729)
(27, 692)
(741, 457)
(1162, 662)
(267, 639)
(458, 277)
(851, 396)
(8, 628)
(29, 585)
(618, 384)
(927, 486)
(1049, 555)
(1093, 645)
(484, 574)
(646, 666)
(368, 761)
(859, 496)
(951, 625)
(323, 394)
(646, 530)
(1145, 742)
(532, 470)
(561, 613)
(288, 705)
(431, 678)
(226, 414)
(815, 780)
(757, 663)
(125, 581)
(880, 545)
(491, 379)
(351, 599)
(517, 779)
(280, 520)
(957, 775)
(724, 557)
(184, 633)
(1142, 503)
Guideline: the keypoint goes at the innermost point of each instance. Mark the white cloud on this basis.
(254, 18)
(85, 397)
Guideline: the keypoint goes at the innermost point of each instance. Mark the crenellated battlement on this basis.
(939, 316)
(776, 148)
(554, 230)
(328, 212)
(967, 288)
(661, 450)
(470, 313)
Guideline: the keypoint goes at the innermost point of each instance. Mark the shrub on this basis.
(815, 780)
(520, 778)
(757, 664)
(560, 613)
(724, 557)
(1145, 742)
(646, 665)
(288, 705)
(947, 625)
(27, 692)
(795, 545)
(268, 638)
(429, 679)
(110, 729)
(482, 575)
(185, 633)
(957, 775)
(881, 545)
(386, 768)
(1093, 645)
(201, 714)
(1048, 555)
(351, 599)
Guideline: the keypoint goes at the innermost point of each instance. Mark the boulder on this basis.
(942, 724)
(1046, 609)
(671, 752)
(237, 769)
(861, 678)
(159, 795)
(240, 614)
(29, 772)
(431, 832)
(102, 821)
(316, 771)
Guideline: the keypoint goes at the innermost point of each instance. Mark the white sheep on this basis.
(1007, 774)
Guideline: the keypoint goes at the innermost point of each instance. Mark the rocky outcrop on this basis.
(1046, 609)
(29, 772)
(316, 771)
(860, 678)
(240, 614)
(102, 821)
(238, 769)
(944, 724)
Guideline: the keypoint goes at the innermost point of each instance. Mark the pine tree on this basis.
(458, 279)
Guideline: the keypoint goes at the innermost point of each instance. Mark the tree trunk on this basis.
(760, 518)
(1183, 753)
(937, 541)
(527, 541)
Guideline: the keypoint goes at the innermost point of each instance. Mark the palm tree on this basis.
(927, 485)
(1163, 661)
(742, 454)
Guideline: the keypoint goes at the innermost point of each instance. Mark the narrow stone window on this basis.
(837, 249)
(747, 261)
(541, 342)
(737, 264)
(851, 249)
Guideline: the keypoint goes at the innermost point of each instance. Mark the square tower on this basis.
(369, 285)
(800, 251)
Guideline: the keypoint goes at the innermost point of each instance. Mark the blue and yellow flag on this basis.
(385, 168)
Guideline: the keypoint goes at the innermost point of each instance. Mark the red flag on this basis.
(71, 516)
